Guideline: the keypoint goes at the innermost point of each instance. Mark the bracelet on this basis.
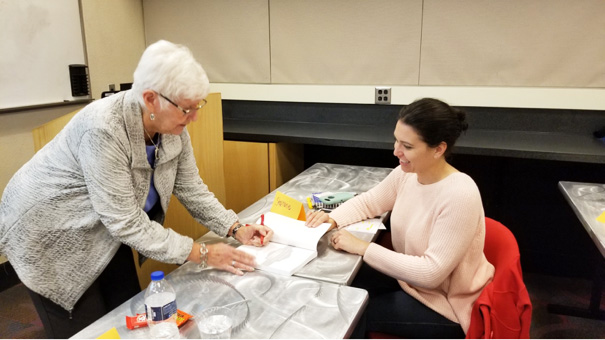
(239, 225)
(203, 255)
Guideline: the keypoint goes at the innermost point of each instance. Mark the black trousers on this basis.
(116, 284)
(393, 311)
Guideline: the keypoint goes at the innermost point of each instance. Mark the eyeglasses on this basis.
(185, 112)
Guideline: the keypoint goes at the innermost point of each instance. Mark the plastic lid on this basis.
(157, 276)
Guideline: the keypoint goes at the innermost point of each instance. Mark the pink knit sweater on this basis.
(438, 232)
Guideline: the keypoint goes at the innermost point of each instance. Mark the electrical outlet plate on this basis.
(382, 95)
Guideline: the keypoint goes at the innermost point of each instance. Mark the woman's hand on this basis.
(315, 218)
(344, 240)
(227, 258)
(254, 234)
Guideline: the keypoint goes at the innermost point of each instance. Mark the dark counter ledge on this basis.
(494, 131)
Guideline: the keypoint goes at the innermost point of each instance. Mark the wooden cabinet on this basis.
(252, 170)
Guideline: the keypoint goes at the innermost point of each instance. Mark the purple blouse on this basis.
(152, 197)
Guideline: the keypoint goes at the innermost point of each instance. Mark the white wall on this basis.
(502, 53)
(115, 40)
(520, 97)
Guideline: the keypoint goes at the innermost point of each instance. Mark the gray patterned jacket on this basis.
(64, 214)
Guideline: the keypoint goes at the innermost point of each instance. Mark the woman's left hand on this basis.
(254, 234)
(344, 240)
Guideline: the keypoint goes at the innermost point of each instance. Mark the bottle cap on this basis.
(157, 276)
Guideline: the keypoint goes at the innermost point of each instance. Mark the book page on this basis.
(293, 244)
(294, 232)
(280, 258)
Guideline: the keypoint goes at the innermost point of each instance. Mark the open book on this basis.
(293, 245)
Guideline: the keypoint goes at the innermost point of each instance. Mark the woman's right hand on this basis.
(227, 258)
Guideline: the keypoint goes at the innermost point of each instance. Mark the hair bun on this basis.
(461, 119)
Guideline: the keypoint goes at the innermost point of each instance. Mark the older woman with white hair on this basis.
(69, 216)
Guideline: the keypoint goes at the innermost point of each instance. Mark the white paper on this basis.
(279, 258)
(370, 226)
(293, 245)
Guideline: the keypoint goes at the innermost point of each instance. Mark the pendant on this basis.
(157, 157)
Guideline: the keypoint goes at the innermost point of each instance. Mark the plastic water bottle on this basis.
(160, 305)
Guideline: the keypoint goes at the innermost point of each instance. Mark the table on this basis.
(588, 202)
(315, 303)
(264, 306)
(323, 177)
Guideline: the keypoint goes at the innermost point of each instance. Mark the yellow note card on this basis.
(288, 206)
(110, 334)
(601, 218)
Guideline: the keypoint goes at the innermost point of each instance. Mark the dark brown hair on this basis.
(435, 122)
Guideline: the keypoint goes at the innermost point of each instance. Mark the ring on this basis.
(233, 263)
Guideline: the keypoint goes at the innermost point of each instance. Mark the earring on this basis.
(152, 116)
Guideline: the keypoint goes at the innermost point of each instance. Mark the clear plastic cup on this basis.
(215, 323)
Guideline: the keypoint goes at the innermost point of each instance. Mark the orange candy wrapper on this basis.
(140, 320)
(137, 321)
(182, 317)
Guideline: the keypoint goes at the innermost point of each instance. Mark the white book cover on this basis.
(293, 245)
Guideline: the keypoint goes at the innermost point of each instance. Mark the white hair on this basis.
(171, 70)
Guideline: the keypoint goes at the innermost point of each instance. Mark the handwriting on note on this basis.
(288, 206)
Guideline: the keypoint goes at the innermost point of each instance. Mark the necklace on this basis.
(157, 157)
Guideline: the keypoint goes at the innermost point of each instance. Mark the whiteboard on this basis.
(39, 39)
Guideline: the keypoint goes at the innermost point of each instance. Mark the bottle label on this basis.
(162, 313)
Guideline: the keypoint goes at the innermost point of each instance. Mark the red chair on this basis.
(503, 310)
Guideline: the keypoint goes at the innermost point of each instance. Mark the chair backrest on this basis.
(500, 246)
(503, 310)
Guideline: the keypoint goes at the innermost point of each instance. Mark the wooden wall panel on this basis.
(246, 173)
(285, 162)
(44, 133)
(252, 170)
